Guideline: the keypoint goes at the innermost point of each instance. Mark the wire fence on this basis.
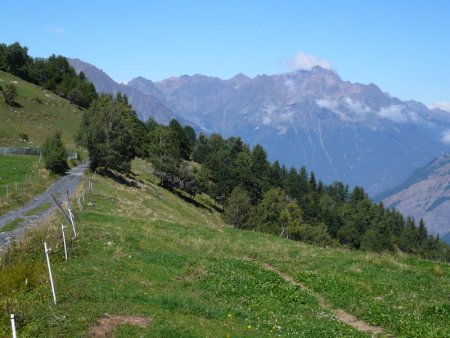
(31, 151)
(19, 151)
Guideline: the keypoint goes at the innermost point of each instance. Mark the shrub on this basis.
(313, 234)
(55, 154)
(23, 137)
(9, 93)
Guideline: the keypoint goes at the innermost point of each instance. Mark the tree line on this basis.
(254, 193)
(54, 74)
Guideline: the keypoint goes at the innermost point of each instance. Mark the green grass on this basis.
(11, 225)
(144, 252)
(39, 209)
(27, 174)
(33, 118)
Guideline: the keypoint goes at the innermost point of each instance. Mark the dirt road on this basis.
(66, 183)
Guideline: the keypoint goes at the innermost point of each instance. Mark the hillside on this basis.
(146, 256)
(37, 113)
(343, 131)
(425, 194)
(145, 104)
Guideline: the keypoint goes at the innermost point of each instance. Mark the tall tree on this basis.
(108, 140)
(184, 142)
(17, 60)
(238, 208)
(260, 169)
(165, 155)
(268, 216)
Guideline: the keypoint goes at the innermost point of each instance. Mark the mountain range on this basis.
(425, 194)
(341, 130)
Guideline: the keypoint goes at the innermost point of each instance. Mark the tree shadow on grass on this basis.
(118, 177)
(191, 200)
(15, 104)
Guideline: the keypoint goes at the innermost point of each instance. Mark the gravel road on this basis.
(59, 189)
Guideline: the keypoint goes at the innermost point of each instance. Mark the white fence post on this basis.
(73, 223)
(50, 271)
(13, 326)
(80, 206)
(64, 241)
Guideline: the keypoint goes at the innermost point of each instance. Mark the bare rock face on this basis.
(426, 194)
(344, 131)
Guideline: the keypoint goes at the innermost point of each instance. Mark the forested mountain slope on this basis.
(343, 131)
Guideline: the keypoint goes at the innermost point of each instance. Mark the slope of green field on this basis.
(37, 113)
(145, 252)
(21, 178)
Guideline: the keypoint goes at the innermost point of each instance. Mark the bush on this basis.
(9, 93)
(23, 137)
(55, 154)
(313, 234)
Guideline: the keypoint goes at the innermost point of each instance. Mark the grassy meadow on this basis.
(147, 252)
(21, 178)
(37, 113)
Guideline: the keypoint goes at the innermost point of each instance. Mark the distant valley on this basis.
(341, 130)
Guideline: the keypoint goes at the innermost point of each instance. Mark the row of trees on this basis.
(54, 74)
(264, 196)
(255, 194)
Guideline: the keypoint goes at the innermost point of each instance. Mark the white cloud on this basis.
(56, 30)
(356, 107)
(305, 61)
(346, 108)
(440, 105)
(282, 130)
(328, 104)
(266, 120)
(445, 136)
(394, 113)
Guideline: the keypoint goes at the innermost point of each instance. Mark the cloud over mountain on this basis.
(440, 105)
(303, 61)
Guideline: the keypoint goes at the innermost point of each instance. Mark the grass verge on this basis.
(11, 225)
(39, 209)
(21, 178)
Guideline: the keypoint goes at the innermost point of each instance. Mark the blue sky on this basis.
(402, 46)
